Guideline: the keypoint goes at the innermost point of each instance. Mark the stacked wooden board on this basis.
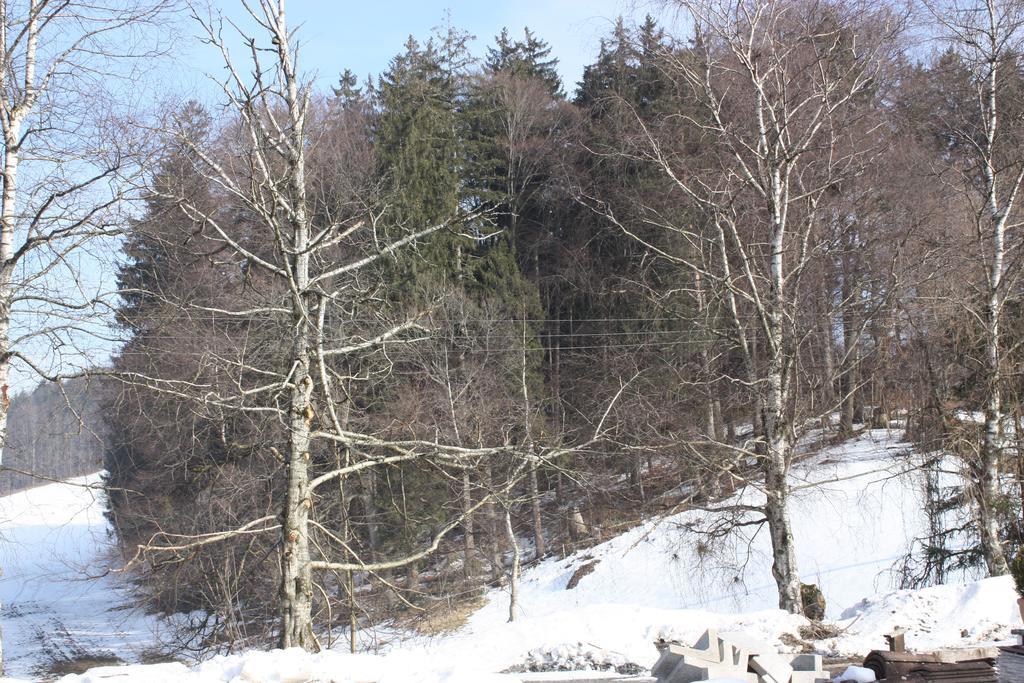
(958, 672)
(1010, 664)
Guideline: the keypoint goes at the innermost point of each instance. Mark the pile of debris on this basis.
(735, 656)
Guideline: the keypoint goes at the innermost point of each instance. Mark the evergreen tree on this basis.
(171, 463)
(347, 90)
(529, 58)
(417, 145)
(154, 264)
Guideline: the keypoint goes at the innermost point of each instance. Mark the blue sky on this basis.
(364, 36)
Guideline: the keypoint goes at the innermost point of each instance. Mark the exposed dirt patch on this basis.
(580, 572)
(80, 664)
(445, 616)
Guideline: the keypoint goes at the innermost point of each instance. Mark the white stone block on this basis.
(690, 673)
(771, 668)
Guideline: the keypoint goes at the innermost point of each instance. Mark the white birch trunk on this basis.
(513, 583)
(987, 469)
(775, 418)
(296, 570)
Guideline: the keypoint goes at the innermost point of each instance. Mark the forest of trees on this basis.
(55, 432)
(387, 343)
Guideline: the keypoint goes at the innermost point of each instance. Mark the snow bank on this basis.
(953, 615)
(856, 509)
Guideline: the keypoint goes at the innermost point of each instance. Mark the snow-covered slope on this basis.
(52, 542)
(657, 581)
(856, 509)
(851, 526)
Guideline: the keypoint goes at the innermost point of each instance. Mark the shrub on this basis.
(1017, 571)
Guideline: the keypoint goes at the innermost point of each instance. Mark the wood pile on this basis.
(979, 671)
(1010, 664)
(975, 665)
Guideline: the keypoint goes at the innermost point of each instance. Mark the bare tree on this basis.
(988, 36)
(306, 265)
(777, 90)
(65, 155)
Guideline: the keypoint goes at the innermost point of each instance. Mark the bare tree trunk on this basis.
(784, 569)
(988, 467)
(848, 367)
(716, 412)
(8, 217)
(776, 471)
(492, 517)
(296, 574)
(367, 495)
(467, 526)
(987, 473)
(776, 423)
(348, 580)
(998, 212)
(12, 134)
(709, 419)
(538, 523)
(353, 620)
(828, 387)
(513, 584)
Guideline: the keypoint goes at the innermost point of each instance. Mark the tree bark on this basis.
(988, 466)
(514, 572)
(8, 207)
(538, 522)
(296, 574)
(987, 474)
(467, 526)
(784, 568)
(776, 471)
(776, 422)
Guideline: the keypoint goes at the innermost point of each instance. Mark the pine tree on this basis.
(529, 58)
(417, 147)
(154, 263)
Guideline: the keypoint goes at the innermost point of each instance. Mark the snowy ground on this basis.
(52, 540)
(851, 527)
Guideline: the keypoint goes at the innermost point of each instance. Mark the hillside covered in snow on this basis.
(59, 603)
(857, 508)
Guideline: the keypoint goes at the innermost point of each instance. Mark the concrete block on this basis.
(771, 668)
(667, 663)
(707, 652)
(689, 673)
(738, 648)
(734, 655)
(740, 640)
(709, 658)
(752, 654)
(708, 647)
(808, 669)
(806, 663)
